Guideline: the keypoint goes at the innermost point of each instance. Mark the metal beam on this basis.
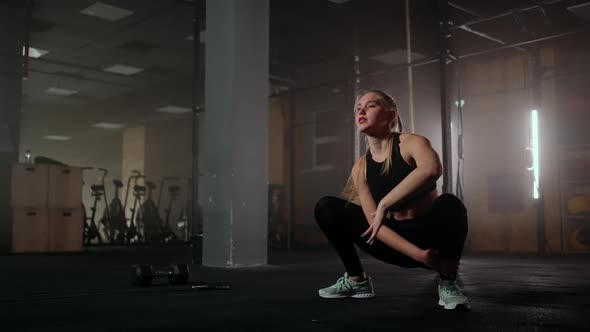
(396, 68)
(463, 9)
(444, 51)
(409, 61)
(468, 55)
(481, 34)
(491, 18)
(477, 32)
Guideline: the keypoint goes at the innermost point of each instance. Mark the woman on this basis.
(394, 185)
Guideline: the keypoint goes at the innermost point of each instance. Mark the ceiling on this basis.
(157, 37)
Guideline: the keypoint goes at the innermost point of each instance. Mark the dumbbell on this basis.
(142, 275)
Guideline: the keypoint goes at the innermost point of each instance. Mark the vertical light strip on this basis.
(535, 151)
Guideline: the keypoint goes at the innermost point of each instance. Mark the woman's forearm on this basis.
(385, 234)
(417, 181)
(397, 242)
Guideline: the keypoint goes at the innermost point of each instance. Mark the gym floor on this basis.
(91, 291)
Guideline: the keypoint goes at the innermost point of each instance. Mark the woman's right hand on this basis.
(436, 262)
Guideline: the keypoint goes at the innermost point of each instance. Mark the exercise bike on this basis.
(116, 216)
(149, 217)
(91, 229)
(132, 233)
(167, 234)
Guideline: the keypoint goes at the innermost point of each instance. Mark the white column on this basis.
(234, 186)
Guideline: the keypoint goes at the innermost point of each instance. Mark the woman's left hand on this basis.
(435, 261)
(378, 217)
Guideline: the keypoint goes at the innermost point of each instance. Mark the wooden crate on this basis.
(65, 187)
(29, 230)
(29, 185)
(65, 229)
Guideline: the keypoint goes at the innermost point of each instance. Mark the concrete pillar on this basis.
(12, 31)
(168, 154)
(132, 159)
(133, 151)
(235, 138)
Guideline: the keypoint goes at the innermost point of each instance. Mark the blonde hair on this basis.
(388, 102)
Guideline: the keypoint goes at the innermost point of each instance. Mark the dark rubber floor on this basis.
(91, 292)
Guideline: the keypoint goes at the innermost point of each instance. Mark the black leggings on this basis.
(343, 222)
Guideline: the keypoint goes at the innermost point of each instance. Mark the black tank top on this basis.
(380, 184)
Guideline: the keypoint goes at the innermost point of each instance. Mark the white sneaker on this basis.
(451, 297)
(346, 287)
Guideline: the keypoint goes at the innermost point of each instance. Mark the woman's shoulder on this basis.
(413, 138)
(359, 163)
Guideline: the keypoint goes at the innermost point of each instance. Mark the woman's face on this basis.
(371, 117)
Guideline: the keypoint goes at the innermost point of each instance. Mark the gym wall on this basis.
(498, 187)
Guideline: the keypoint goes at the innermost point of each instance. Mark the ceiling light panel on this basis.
(35, 52)
(61, 91)
(57, 137)
(108, 125)
(106, 12)
(174, 109)
(123, 70)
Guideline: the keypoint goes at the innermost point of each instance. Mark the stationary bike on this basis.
(132, 233)
(150, 216)
(91, 229)
(167, 234)
(116, 216)
(86, 228)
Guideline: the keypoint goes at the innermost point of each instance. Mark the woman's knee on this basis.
(327, 208)
(449, 203)
(451, 211)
